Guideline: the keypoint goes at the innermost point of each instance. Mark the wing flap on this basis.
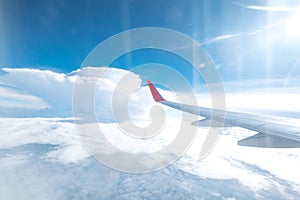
(269, 141)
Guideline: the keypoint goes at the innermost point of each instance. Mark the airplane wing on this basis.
(272, 131)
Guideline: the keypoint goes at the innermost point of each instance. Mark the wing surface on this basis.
(273, 132)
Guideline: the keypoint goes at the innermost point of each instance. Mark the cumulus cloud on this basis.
(54, 89)
(51, 93)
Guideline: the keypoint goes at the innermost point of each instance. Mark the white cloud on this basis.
(253, 167)
(230, 171)
(13, 98)
(17, 132)
(53, 88)
(263, 96)
(40, 89)
(243, 171)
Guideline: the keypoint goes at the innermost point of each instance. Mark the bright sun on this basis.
(293, 26)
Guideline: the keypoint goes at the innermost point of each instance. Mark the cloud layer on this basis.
(44, 158)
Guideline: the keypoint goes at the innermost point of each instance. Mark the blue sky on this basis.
(246, 39)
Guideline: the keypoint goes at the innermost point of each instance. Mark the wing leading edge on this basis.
(272, 133)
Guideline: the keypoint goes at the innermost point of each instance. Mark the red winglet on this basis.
(155, 94)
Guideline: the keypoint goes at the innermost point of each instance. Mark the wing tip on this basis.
(155, 94)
